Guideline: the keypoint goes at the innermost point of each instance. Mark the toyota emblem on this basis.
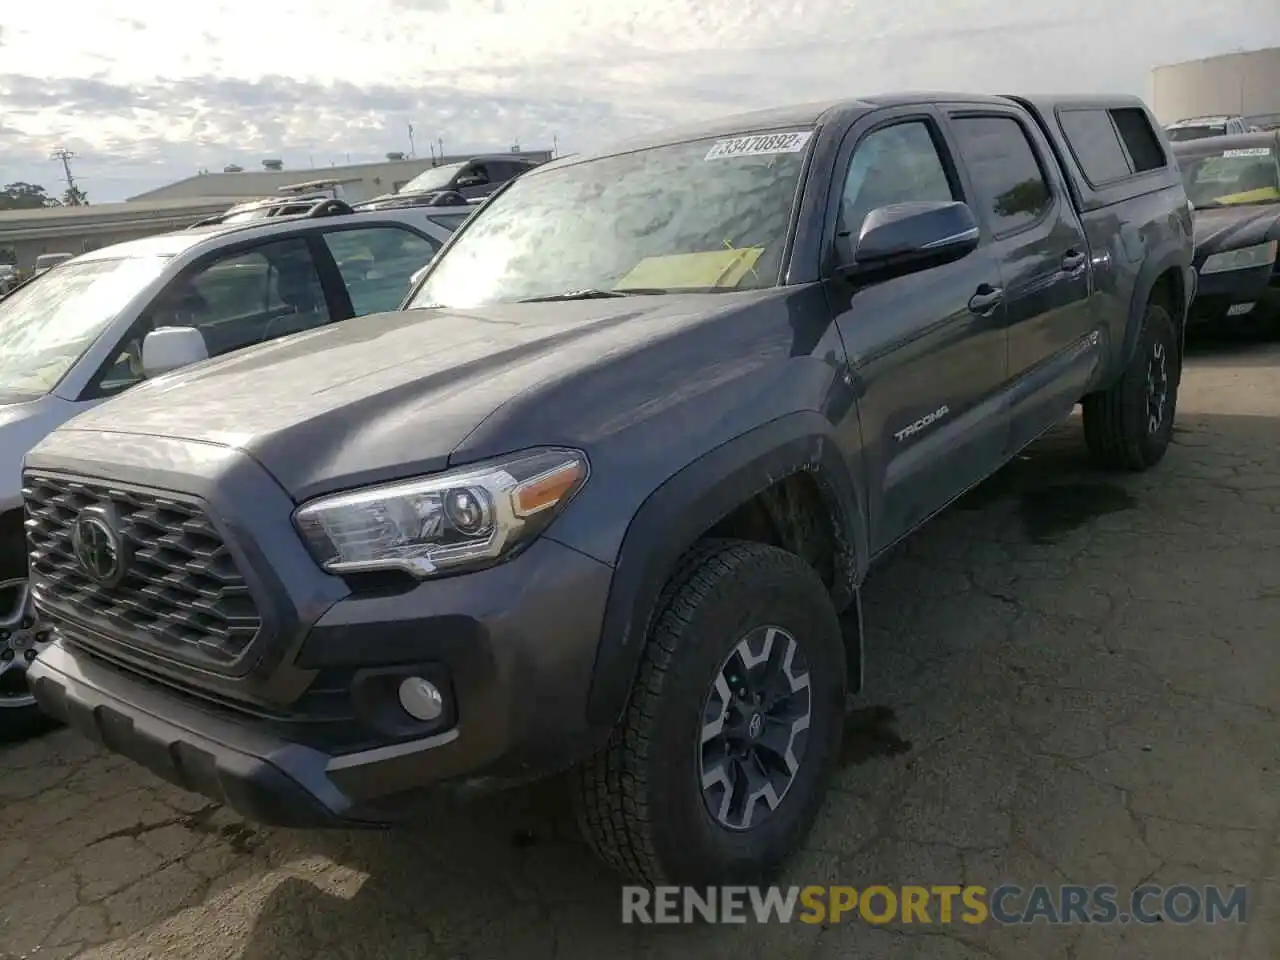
(98, 546)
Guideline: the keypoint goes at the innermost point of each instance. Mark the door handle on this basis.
(986, 299)
(1073, 261)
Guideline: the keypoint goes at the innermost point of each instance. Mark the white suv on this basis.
(103, 322)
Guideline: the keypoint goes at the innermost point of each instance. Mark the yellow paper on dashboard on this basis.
(711, 268)
(1250, 196)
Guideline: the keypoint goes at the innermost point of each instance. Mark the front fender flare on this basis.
(675, 515)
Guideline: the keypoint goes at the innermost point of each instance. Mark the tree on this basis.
(25, 196)
(75, 197)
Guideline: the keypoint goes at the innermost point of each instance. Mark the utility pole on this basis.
(555, 146)
(440, 144)
(412, 149)
(66, 156)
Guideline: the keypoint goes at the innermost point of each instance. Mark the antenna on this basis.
(66, 156)
(411, 146)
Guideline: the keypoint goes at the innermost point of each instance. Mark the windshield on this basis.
(437, 178)
(1195, 133)
(691, 216)
(47, 325)
(1230, 177)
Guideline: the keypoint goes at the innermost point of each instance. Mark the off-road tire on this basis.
(639, 802)
(1117, 427)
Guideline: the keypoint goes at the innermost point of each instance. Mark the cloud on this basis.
(244, 80)
(212, 121)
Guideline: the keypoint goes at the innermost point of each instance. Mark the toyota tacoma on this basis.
(595, 499)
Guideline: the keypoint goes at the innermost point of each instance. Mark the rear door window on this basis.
(376, 264)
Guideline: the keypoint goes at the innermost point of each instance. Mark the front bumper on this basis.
(310, 731)
(1218, 293)
(259, 776)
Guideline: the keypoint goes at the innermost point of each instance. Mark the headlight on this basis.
(458, 520)
(1260, 255)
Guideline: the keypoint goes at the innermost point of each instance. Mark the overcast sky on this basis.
(154, 94)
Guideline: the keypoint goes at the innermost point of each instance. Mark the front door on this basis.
(247, 296)
(926, 350)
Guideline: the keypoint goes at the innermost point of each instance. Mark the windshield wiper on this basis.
(596, 293)
(589, 294)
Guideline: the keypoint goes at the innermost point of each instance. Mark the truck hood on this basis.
(388, 395)
(1219, 229)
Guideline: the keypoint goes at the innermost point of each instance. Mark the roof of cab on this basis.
(177, 242)
(811, 114)
(1235, 141)
(160, 245)
(774, 118)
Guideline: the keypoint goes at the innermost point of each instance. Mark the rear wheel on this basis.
(1129, 425)
(723, 757)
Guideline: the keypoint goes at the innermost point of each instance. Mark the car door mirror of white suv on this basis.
(169, 348)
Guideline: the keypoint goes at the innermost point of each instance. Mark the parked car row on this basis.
(11, 277)
(601, 494)
(1233, 182)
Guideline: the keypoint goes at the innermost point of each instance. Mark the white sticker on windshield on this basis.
(1248, 152)
(763, 145)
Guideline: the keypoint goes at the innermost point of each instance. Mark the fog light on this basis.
(420, 699)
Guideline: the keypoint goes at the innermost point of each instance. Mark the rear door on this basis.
(1039, 242)
(926, 350)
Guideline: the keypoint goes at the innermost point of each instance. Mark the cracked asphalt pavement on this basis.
(1072, 679)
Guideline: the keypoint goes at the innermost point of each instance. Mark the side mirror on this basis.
(471, 180)
(417, 275)
(169, 348)
(903, 237)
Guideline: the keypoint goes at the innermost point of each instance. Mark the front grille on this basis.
(180, 593)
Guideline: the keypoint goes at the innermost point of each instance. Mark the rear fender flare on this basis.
(1151, 272)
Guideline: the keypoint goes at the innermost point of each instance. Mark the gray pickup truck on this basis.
(595, 499)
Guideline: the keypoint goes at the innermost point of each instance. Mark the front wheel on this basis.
(21, 641)
(724, 754)
(1129, 425)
